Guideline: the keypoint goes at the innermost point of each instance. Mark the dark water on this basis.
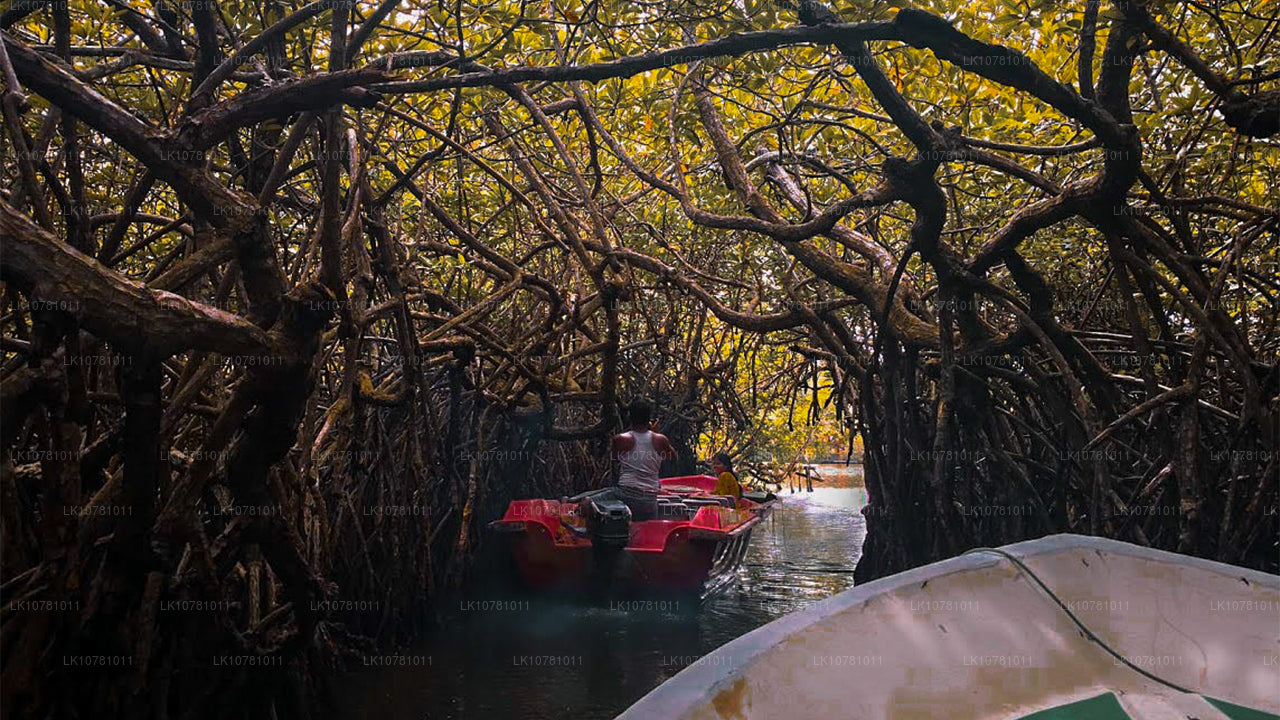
(502, 658)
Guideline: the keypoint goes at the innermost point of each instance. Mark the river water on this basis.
(498, 657)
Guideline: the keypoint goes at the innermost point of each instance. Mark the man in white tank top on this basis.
(640, 452)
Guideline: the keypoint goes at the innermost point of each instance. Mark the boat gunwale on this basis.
(696, 532)
(692, 686)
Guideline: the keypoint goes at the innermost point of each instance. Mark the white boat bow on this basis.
(976, 637)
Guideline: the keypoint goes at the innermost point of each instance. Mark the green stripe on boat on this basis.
(1102, 707)
(1239, 712)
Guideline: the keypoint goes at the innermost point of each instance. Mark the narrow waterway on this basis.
(499, 658)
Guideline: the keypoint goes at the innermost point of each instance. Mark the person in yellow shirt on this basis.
(727, 482)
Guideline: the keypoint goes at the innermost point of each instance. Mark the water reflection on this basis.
(542, 660)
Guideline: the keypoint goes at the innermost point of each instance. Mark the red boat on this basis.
(694, 546)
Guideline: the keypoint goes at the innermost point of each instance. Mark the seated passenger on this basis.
(727, 482)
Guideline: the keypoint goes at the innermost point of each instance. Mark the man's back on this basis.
(640, 454)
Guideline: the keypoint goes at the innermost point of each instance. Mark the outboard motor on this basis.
(608, 521)
(609, 526)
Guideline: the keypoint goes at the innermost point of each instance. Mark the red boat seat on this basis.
(707, 517)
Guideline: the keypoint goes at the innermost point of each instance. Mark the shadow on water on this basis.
(529, 658)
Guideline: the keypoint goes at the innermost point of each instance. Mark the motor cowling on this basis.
(608, 521)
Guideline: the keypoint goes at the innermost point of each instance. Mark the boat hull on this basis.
(696, 555)
(685, 565)
(975, 637)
